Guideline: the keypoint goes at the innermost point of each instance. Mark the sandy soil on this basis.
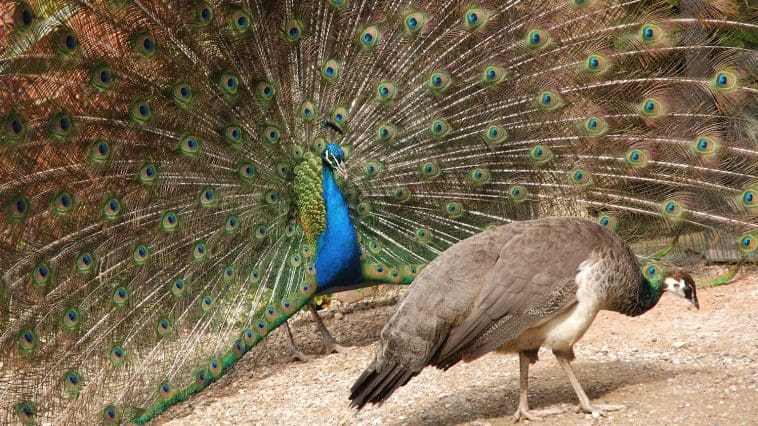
(673, 365)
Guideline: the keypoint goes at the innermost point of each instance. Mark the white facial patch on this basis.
(675, 286)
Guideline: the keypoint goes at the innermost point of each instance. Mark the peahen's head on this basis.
(334, 158)
(681, 284)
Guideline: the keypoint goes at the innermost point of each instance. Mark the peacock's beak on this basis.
(341, 169)
(695, 303)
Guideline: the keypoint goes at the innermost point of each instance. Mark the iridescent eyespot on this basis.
(233, 135)
(71, 319)
(144, 44)
(749, 197)
(308, 111)
(72, 382)
(414, 23)
(99, 151)
(189, 146)
(652, 271)
(85, 262)
(27, 340)
(140, 254)
(494, 134)
(338, 4)
(596, 63)
(439, 81)
(207, 197)
(23, 17)
(637, 158)
(254, 276)
(608, 221)
(203, 13)
(111, 415)
(423, 235)
(206, 303)
(228, 274)
(372, 168)
(272, 134)
(493, 74)
(282, 169)
(475, 18)
(673, 210)
(18, 208)
(163, 327)
(178, 287)
(386, 133)
(480, 176)
(725, 81)
(430, 170)
(748, 242)
(265, 91)
(140, 111)
(651, 33)
(61, 126)
(199, 251)
(582, 4)
(518, 193)
(14, 128)
(169, 221)
(537, 38)
(401, 194)
(453, 209)
(293, 31)
(147, 174)
(439, 128)
(65, 42)
(340, 115)
(364, 209)
(319, 145)
(271, 198)
(541, 154)
(102, 77)
(111, 209)
(331, 70)
(595, 126)
(41, 275)
(386, 91)
(62, 203)
(26, 413)
(369, 36)
(165, 390)
(120, 297)
(240, 21)
(652, 108)
(580, 177)
(260, 232)
(706, 145)
(181, 94)
(228, 82)
(246, 171)
(117, 355)
(549, 99)
(231, 224)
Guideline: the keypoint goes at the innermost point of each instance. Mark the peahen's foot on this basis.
(331, 346)
(600, 408)
(524, 413)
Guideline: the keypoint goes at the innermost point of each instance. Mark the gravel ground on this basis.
(673, 365)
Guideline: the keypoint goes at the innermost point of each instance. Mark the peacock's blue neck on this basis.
(338, 256)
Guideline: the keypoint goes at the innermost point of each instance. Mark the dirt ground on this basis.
(673, 365)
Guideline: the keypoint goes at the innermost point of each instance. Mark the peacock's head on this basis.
(334, 158)
(681, 284)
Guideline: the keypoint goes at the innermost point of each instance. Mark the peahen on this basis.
(171, 172)
(514, 289)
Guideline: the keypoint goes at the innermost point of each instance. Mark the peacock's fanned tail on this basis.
(149, 235)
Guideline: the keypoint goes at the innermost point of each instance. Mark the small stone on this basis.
(678, 344)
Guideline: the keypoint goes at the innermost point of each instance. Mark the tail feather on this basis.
(378, 382)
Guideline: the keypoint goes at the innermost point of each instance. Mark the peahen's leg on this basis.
(330, 345)
(294, 352)
(584, 402)
(523, 412)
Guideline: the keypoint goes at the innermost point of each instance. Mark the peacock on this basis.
(516, 288)
(178, 178)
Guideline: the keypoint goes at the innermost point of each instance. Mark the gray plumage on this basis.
(514, 288)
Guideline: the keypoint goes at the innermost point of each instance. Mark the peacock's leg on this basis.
(584, 402)
(523, 412)
(330, 345)
(294, 352)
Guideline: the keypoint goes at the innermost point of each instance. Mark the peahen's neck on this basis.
(648, 294)
(338, 255)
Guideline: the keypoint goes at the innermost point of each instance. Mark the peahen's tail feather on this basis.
(148, 235)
